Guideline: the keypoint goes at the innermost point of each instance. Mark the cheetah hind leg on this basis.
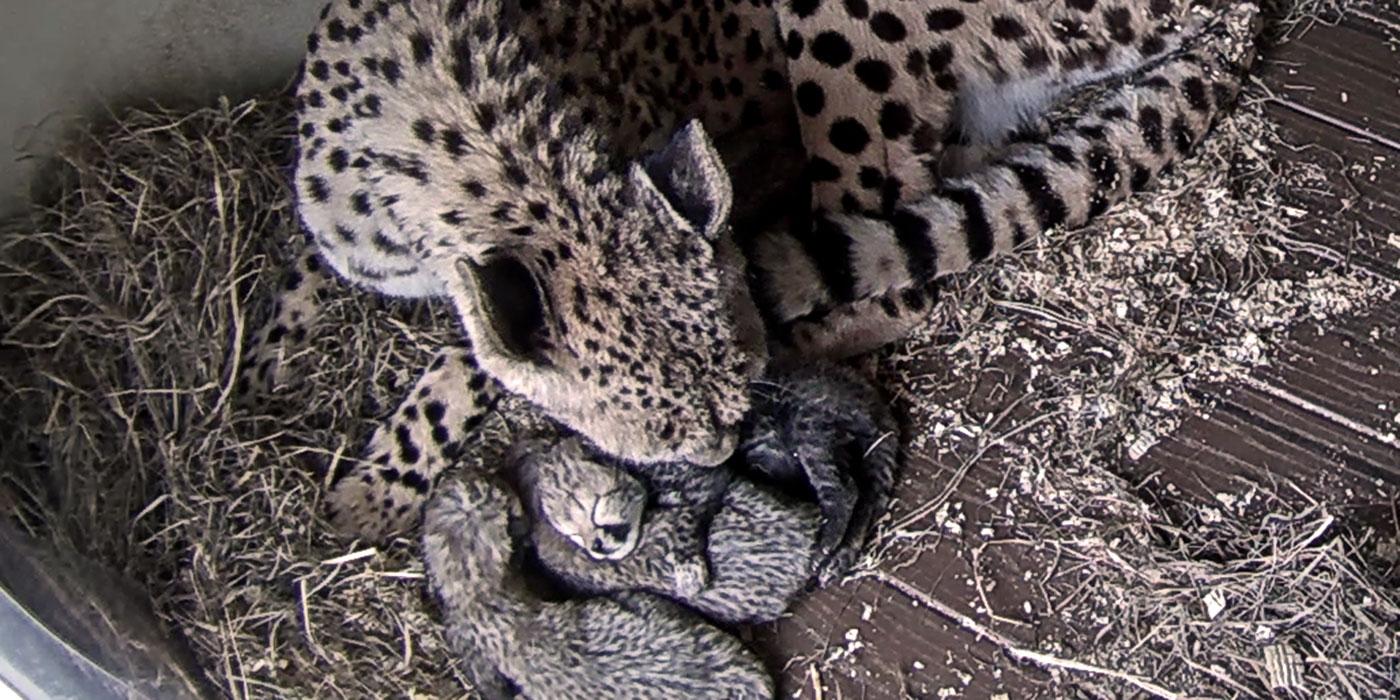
(384, 493)
(267, 353)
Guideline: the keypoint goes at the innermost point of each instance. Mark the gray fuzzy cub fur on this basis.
(738, 543)
(630, 645)
(825, 431)
(738, 554)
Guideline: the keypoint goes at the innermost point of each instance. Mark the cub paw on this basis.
(691, 576)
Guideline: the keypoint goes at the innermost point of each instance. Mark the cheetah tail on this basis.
(1116, 144)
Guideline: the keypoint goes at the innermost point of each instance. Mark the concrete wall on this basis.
(66, 60)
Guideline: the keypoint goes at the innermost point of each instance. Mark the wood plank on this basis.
(1321, 415)
(1348, 71)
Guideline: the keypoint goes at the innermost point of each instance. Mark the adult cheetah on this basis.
(549, 167)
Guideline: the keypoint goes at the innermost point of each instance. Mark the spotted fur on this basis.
(558, 182)
(792, 510)
(742, 554)
(630, 645)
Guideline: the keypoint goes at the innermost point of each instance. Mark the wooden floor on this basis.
(1324, 414)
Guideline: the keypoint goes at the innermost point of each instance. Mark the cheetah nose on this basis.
(610, 550)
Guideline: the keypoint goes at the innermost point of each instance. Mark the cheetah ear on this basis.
(512, 306)
(690, 177)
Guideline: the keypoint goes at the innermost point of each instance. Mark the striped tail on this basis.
(1115, 145)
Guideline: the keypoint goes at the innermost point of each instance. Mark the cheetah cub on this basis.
(739, 543)
(825, 432)
(630, 645)
(740, 556)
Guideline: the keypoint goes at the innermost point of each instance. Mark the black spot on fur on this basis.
(1153, 45)
(335, 30)
(1195, 90)
(888, 27)
(423, 130)
(1113, 114)
(811, 98)
(1182, 136)
(939, 57)
(454, 142)
(1050, 209)
(517, 175)
(422, 47)
(317, 188)
(895, 120)
(1007, 28)
(793, 45)
(390, 70)
(415, 481)
(441, 434)
(1150, 123)
(916, 63)
(1035, 57)
(944, 19)
(804, 8)
(912, 233)
(1120, 25)
(832, 49)
(408, 452)
(874, 74)
(830, 250)
(977, 228)
(849, 136)
(1082, 5)
(857, 9)
(1141, 178)
(871, 178)
(486, 117)
(359, 202)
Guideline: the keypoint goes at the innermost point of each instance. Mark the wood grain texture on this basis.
(1324, 416)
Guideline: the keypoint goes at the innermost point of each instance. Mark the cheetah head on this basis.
(632, 323)
(596, 506)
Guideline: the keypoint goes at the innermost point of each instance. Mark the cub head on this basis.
(596, 506)
(624, 313)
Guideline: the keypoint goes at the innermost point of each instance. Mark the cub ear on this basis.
(513, 304)
(690, 178)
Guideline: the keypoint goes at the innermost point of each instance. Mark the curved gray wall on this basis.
(65, 60)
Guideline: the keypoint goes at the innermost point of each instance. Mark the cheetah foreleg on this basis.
(267, 353)
(384, 493)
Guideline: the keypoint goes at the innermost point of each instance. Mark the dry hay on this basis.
(120, 304)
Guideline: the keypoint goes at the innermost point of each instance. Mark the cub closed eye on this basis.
(616, 532)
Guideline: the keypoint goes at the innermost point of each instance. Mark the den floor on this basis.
(1323, 415)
